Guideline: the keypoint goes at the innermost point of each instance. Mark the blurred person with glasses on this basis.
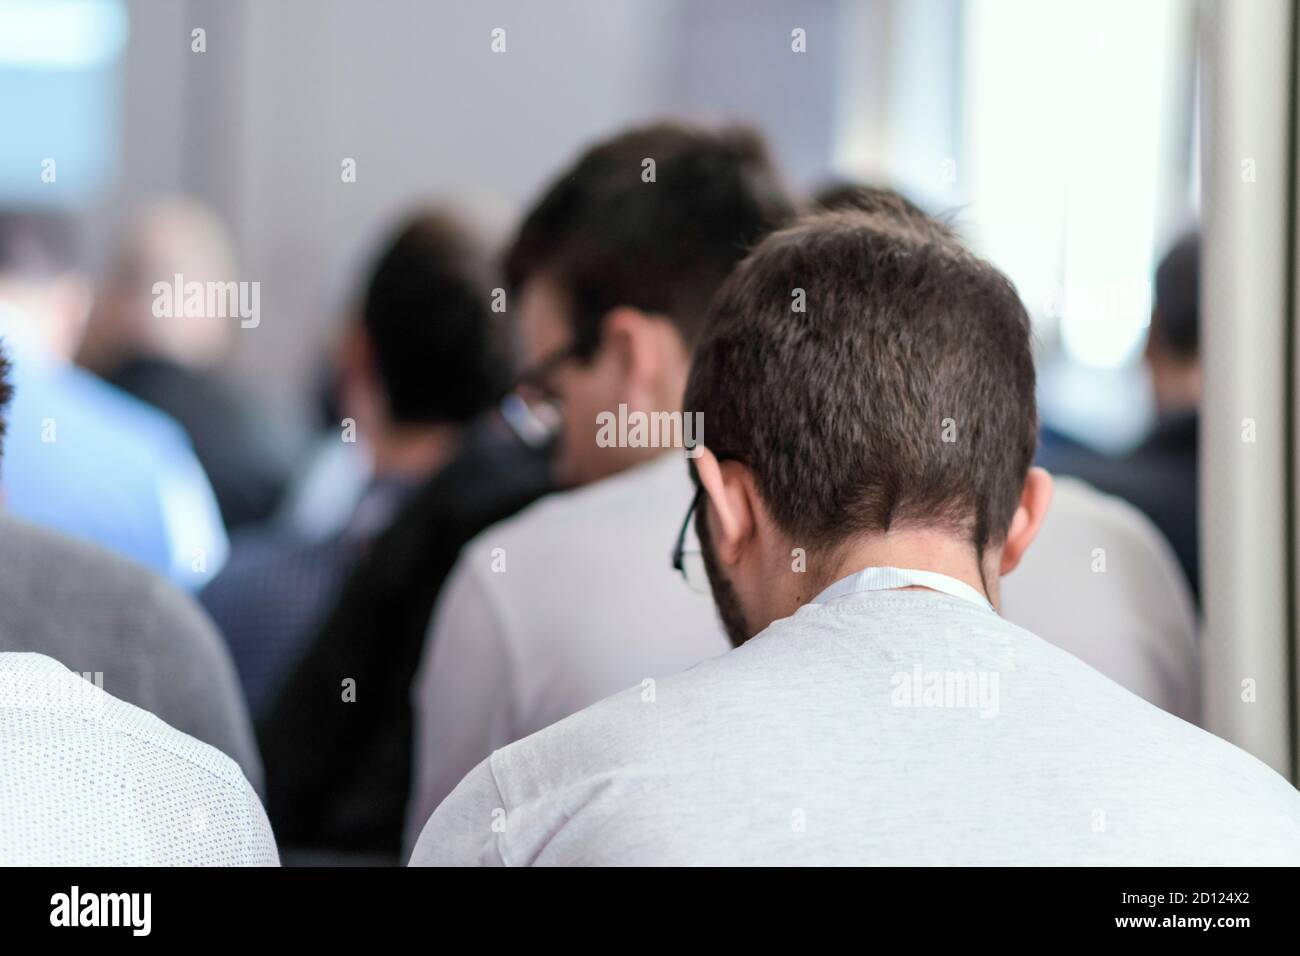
(609, 275)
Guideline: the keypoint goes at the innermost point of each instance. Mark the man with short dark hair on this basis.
(866, 481)
(1136, 623)
(614, 267)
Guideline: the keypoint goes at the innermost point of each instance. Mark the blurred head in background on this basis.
(169, 358)
(423, 357)
(44, 295)
(843, 196)
(175, 237)
(1173, 350)
(611, 272)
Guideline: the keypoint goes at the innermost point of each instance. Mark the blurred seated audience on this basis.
(510, 654)
(90, 780)
(100, 613)
(417, 365)
(877, 709)
(171, 362)
(1160, 475)
(83, 457)
(610, 279)
(103, 614)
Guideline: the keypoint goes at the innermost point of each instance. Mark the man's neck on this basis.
(413, 452)
(917, 550)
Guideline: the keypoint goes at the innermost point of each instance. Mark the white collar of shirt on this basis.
(888, 579)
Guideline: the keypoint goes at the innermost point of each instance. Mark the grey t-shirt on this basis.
(896, 727)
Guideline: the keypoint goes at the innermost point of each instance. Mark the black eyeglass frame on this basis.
(679, 549)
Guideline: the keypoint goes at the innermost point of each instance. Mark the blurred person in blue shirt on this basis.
(83, 457)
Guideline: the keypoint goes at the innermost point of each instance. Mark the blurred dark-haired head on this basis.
(1176, 316)
(1174, 342)
(427, 318)
(654, 218)
(612, 271)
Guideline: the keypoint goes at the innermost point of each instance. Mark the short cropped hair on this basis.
(426, 312)
(609, 238)
(902, 395)
(886, 203)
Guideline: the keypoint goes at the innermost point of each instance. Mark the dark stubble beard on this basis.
(724, 595)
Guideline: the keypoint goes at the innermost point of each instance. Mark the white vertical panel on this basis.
(1247, 160)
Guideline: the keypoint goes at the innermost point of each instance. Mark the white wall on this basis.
(259, 124)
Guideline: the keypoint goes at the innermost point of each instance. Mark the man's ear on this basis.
(729, 505)
(647, 348)
(621, 339)
(361, 395)
(1035, 498)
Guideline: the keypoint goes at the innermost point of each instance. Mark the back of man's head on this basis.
(654, 219)
(425, 313)
(900, 396)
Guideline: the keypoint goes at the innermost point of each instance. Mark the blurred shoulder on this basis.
(48, 575)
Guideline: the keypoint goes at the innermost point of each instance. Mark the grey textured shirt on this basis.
(894, 727)
(95, 612)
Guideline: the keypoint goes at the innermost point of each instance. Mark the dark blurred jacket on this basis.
(339, 773)
(248, 468)
(271, 596)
